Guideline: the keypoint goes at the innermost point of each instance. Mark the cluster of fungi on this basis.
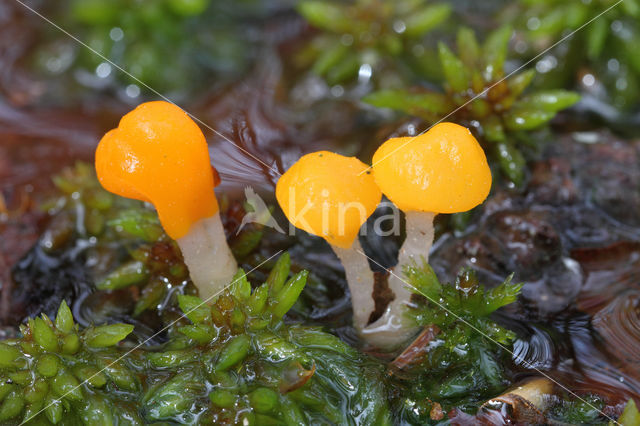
(159, 155)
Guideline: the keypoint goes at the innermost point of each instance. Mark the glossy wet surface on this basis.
(572, 234)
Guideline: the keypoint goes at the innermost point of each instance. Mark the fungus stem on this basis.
(208, 257)
(393, 328)
(417, 244)
(360, 280)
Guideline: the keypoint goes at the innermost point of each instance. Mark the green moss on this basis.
(605, 31)
(463, 365)
(141, 38)
(586, 410)
(234, 359)
(366, 32)
(254, 362)
(124, 240)
(45, 379)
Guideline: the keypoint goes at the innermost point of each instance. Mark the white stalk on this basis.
(360, 280)
(393, 327)
(417, 244)
(208, 257)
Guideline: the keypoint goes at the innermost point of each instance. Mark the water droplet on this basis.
(103, 70)
(541, 67)
(116, 34)
(616, 26)
(54, 64)
(364, 73)
(132, 91)
(399, 26)
(533, 23)
(621, 83)
(337, 90)
(588, 80)
(520, 46)
(613, 65)
(546, 64)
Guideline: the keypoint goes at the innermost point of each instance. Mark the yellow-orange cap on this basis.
(442, 171)
(158, 154)
(328, 195)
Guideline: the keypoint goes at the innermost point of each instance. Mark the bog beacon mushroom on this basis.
(443, 170)
(331, 196)
(159, 155)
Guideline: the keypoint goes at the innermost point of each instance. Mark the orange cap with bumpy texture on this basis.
(158, 154)
(328, 195)
(442, 171)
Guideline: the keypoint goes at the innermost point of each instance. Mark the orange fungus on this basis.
(328, 195)
(159, 155)
(443, 170)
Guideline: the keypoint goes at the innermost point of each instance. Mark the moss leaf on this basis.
(426, 19)
(326, 15)
(107, 335)
(194, 308)
(454, 70)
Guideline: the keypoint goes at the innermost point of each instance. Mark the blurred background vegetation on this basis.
(393, 55)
